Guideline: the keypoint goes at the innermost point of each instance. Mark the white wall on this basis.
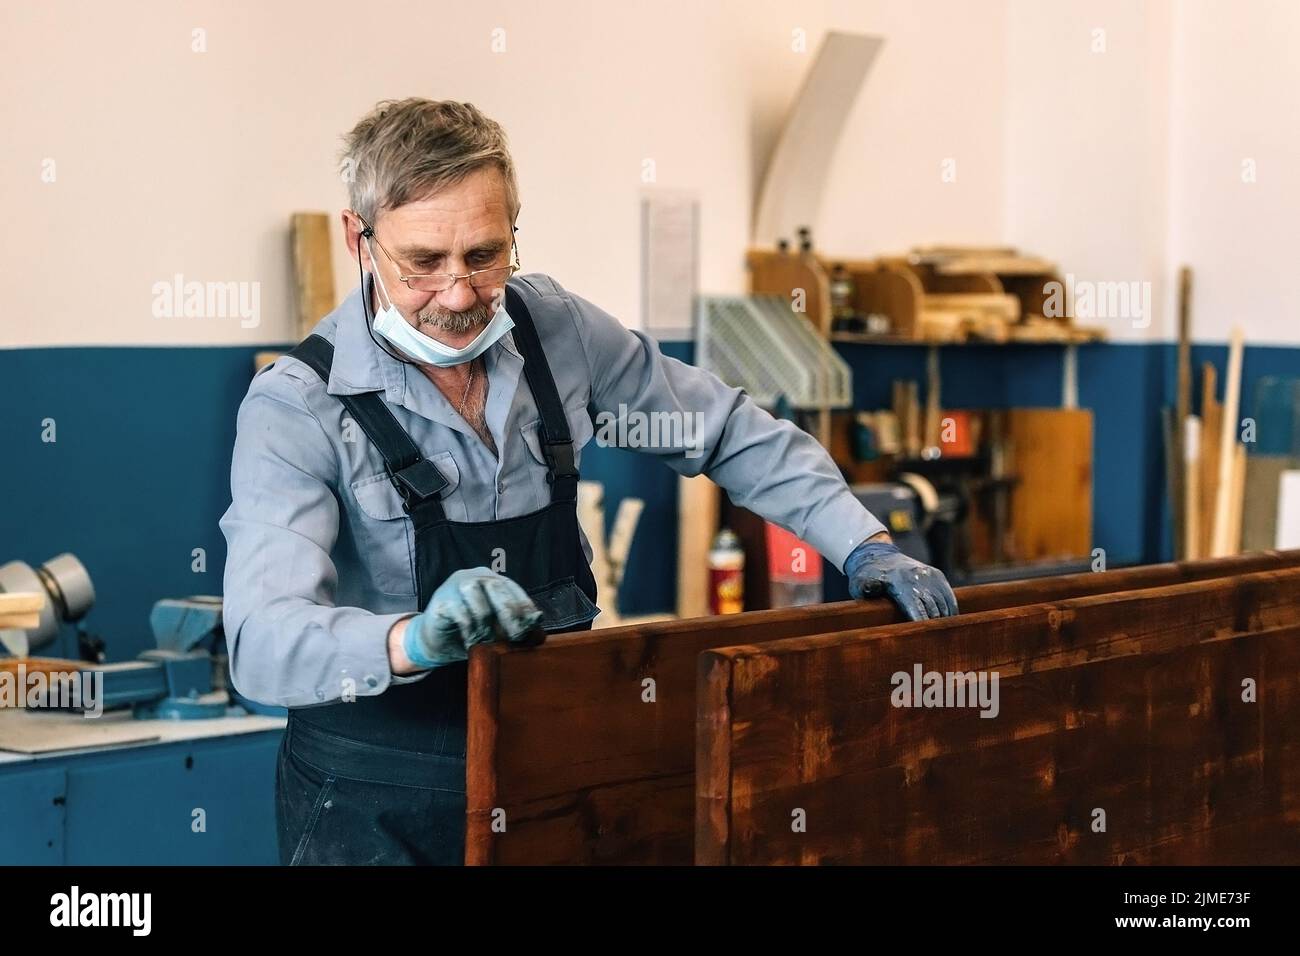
(1235, 96)
(170, 161)
(1118, 165)
(1086, 144)
(1126, 165)
(935, 93)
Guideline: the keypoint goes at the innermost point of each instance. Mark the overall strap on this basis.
(416, 478)
(557, 442)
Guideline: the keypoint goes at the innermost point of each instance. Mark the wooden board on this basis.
(1000, 265)
(1237, 503)
(43, 665)
(1182, 408)
(22, 669)
(1221, 544)
(313, 269)
(1191, 466)
(1130, 703)
(1051, 504)
(1005, 307)
(585, 771)
(48, 731)
(894, 292)
(697, 523)
(21, 602)
(1211, 432)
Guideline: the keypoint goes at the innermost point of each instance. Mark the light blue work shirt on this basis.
(320, 552)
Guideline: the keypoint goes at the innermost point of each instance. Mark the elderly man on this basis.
(404, 487)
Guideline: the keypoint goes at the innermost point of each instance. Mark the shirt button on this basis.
(501, 487)
(372, 680)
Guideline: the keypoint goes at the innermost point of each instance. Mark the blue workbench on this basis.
(134, 803)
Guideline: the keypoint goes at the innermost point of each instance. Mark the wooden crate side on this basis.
(587, 770)
(1127, 703)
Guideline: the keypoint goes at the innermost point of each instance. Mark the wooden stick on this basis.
(932, 399)
(1211, 433)
(697, 522)
(1169, 447)
(1227, 444)
(1182, 410)
(1192, 491)
(1238, 502)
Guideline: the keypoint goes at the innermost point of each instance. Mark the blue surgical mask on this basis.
(423, 348)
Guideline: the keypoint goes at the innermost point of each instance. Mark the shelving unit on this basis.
(934, 296)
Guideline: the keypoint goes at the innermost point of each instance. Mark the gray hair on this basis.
(403, 150)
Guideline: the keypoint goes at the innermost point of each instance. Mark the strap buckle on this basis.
(560, 460)
(419, 480)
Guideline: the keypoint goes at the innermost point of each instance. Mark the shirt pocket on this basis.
(384, 533)
(581, 430)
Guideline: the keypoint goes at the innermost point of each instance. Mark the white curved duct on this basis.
(792, 188)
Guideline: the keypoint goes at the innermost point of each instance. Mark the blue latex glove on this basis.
(473, 606)
(920, 591)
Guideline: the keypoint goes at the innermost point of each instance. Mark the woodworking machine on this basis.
(185, 677)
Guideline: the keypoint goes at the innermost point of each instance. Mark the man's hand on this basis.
(473, 606)
(877, 567)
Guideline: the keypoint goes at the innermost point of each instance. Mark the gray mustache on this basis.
(455, 322)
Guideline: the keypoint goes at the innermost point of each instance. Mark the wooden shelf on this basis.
(932, 297)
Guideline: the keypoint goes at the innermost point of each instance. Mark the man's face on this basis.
(461, 228)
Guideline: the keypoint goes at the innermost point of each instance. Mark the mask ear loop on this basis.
(365, 302)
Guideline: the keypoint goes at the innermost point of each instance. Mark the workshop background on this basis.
(148, 143)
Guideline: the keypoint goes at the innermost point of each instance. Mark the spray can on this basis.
(726, 574)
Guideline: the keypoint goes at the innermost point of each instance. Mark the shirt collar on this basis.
(362, 365)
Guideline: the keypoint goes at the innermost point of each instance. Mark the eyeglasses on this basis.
(442, 281)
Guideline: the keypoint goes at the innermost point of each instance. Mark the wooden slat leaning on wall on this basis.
(1130, 705)
(313, 269)
(313, 275)
(563, 741)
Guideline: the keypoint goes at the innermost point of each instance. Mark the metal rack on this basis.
(760, 344)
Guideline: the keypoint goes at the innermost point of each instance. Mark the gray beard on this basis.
(456, 323)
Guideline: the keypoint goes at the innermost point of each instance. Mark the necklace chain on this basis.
(468, 382)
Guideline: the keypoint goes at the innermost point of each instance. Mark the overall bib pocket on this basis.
(564, 606)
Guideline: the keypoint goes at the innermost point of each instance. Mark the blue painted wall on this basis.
(139, 474)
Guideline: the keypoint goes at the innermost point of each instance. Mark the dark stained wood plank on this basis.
(1129, 702)
(564, 751)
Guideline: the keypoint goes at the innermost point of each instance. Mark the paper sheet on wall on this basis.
(1288, 510)
(669, 263)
